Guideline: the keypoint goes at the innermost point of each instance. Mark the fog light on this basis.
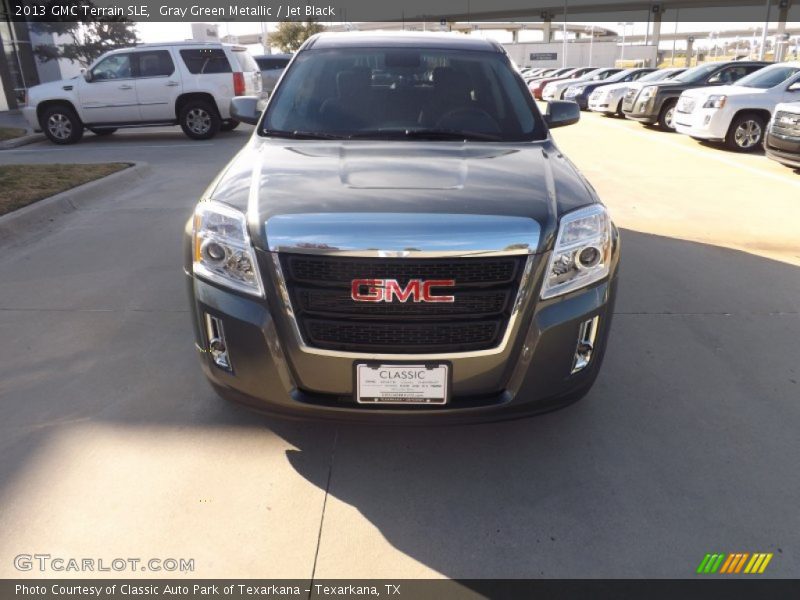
(216, 342)
(586, 337)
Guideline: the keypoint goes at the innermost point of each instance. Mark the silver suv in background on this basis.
(188, 84)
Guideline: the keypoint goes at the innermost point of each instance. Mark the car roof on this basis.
(406, 39)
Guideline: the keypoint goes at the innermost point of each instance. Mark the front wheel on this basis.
(666, 118)
(746, 133)
(61, 125)
(199, 120)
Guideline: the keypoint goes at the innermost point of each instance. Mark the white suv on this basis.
(738, 114)
(188, 84)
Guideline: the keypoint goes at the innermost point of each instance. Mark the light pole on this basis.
(763, 51)
(624, 31)
(590, 30)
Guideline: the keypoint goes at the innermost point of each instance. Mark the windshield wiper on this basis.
(428, 134)
(303, 135)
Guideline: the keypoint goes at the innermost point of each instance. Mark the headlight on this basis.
(222, 249)
(582, 252)
(648, 92)
(715, 101)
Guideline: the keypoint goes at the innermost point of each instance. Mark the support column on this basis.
(781, 39)
(763, 51)
(689, 50)
(656, 37)
(547, 28)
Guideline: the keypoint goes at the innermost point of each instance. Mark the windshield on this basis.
(396, 93)
(617, 77)
(601, 74)
(657, 75)
(768, 77)
(696, 74)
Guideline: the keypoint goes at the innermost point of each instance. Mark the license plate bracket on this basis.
(413, 383)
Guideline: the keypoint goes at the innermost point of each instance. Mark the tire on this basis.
(229, 125)
(746, 133)
(199, 120)
(619, 112)
(666, 118)
(102, 132)
(61, 125)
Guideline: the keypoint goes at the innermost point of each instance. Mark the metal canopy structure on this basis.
(559, 10)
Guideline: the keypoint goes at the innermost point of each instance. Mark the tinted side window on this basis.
(268, 64)
(156, 63)
(205, 61)
(730, 74)
(117, 66)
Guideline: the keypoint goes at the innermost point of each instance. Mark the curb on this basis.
(41, 213)
(30, 138)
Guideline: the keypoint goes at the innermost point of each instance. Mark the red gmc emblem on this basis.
(387, 290)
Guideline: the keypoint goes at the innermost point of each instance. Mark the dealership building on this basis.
(19, 67)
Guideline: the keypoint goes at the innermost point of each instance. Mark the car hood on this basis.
(791, 107)
(724, 90)
(281, 177)
(610, 87)
(52, 88)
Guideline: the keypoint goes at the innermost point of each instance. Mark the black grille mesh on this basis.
(328, 318)
(388, 337)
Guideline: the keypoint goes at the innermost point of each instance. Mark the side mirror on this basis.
(560, 113)
(795, 87)
(87, 75)
(246, 109)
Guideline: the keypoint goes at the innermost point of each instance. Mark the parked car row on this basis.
(744, 105)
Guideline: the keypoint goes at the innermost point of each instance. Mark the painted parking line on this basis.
(663, 138)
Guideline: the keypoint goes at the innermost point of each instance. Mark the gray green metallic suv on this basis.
(401, 238)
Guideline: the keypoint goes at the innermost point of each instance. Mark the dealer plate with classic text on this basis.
(402, 384)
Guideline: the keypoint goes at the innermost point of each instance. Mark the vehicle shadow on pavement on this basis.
(687, 442)
(720, 146)
(691, 424)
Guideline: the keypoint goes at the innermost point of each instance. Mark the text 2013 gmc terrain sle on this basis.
(401, 238)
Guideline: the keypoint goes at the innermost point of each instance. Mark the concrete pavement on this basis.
(111, 443)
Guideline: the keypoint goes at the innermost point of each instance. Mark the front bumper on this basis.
(703, 123)
(644, 111)
(582, 100)
(29, 112)
(271, 372)
(599, 105)
(549, 93)
(605, 102)
(782, 149)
